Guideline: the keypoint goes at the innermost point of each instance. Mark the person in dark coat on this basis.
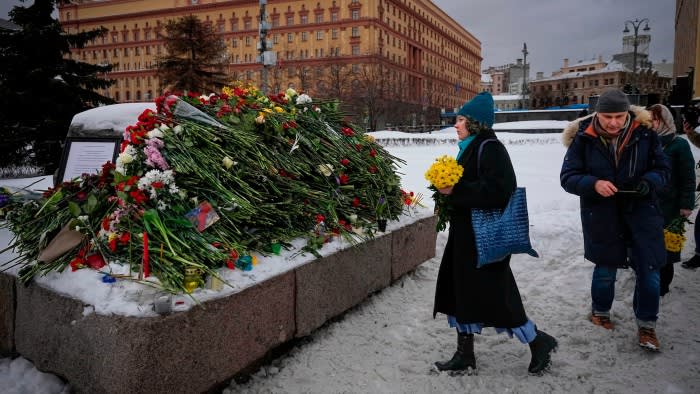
(616, 165)
(678, 197)
(471, 297)
(690, 117)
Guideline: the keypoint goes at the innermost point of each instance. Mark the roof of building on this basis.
(584, 63)
(507, 97)
(610, 67)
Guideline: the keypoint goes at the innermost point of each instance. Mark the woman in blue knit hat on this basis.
(471, 297)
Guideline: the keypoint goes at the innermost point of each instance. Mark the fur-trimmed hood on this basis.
(641, 115)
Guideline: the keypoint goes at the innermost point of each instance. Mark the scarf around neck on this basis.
(617, 140)
(463, 144)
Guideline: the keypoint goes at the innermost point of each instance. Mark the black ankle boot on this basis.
(464, 356)
(693, 263)
(541, 348)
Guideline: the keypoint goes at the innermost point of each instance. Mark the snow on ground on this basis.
(388, 343)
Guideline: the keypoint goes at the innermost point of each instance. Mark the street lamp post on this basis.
(265, 55)
(635, 25)
(524, 89)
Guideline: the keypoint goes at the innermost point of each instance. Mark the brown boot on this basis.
(648, 340)
(603, 321)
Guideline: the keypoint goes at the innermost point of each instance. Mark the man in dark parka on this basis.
(473, 297)
(615, 164)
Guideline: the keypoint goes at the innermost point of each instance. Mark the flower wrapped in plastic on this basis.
(674, 234)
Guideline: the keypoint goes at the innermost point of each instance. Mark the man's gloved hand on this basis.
(643, 188)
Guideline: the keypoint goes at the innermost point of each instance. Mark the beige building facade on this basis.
(686, 49)
(575, 83)
(431, 60)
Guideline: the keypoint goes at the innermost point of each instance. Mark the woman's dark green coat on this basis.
(487, 295)
(679, 192)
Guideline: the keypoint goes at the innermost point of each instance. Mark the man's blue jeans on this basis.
(646, 292)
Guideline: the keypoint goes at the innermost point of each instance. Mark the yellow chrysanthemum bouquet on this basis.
(674, 237)
(444, 172)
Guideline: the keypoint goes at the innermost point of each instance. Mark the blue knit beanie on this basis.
(480, 109)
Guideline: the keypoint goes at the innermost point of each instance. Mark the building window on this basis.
(355, 31)
(234, 25)
(304, 35)
(126, 52)
(319, 35)
(137, 51)
(247, 25)
(248, 75)
(334, 34)
(125, 36)
(247, 41)
(319, 18)
(276, 22)
(147, 35)
(290, 20)
(276, 38)
(355, 50)
(304, 19)
(290, 37)
(334, 16)
(355, 14)
(234, 42)
(355, 68)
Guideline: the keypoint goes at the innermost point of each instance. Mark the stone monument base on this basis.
(199, 349)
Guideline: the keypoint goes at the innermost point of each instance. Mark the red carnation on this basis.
(113, 245)
(124, 238)
(95, 261)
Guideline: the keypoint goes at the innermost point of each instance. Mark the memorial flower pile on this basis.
(443, 173)
(206, 181)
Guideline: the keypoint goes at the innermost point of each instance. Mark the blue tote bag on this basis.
(502, 232)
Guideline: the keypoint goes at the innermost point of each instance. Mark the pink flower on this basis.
(153, 155)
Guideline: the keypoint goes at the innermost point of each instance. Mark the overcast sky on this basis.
(553, 29)
(558, 29)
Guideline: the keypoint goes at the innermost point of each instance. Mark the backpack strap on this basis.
(478, 155)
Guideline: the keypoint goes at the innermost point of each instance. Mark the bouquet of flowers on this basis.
(206, 181)
(444, 172)
(674, 234)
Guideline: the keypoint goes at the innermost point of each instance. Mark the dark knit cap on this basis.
(613, 100)
(480, 109)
